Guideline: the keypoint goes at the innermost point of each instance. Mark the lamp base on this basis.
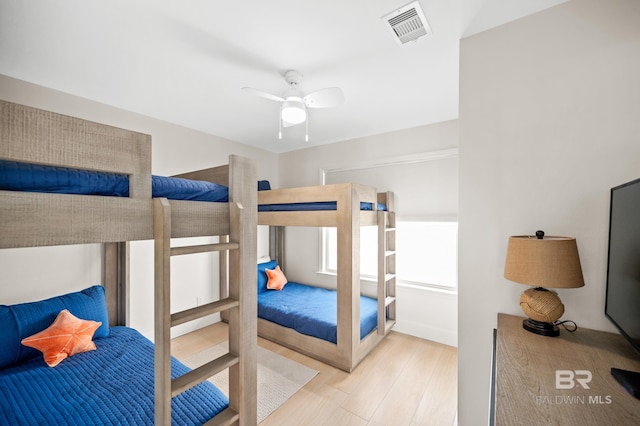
(542, 328)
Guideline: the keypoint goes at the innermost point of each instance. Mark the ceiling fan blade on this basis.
(324, 98)
(263, 94)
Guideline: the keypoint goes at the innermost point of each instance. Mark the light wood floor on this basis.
(403, 381)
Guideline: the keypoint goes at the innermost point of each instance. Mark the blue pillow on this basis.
(25, 319)
(264, 185)
(262, 275)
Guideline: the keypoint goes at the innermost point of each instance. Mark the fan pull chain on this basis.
(280, 128)
(306, 134)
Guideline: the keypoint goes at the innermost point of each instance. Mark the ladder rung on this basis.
(389, 300)
(389, 229)
(202, 311)
(200, 374)
(388, 324)
(226, 417)
(203, 248)
(389, 253)
(389, 277)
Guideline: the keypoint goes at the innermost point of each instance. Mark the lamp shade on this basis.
(549, 262)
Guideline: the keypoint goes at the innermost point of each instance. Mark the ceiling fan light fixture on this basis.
(293, 108)
(293, 112)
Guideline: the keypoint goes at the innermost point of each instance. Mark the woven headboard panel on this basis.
(32, 135)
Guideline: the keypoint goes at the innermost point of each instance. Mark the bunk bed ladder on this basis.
(386, 271)
(165, 387)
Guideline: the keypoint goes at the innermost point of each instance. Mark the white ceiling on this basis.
(185, 62)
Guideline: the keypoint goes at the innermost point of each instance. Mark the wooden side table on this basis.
(563, 380)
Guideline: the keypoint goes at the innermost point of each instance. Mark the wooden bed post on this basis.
(276, 245)
(116, 255)
(348, 277)
(243, 322)
(162, 317)
(115, 271)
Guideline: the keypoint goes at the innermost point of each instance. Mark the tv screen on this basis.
(623, 273)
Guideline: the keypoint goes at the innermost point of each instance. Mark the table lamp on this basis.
(543, 262)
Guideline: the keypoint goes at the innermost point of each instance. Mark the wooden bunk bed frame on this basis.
(347, 218)
(28, 219)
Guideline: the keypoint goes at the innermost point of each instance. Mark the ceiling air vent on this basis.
(407, 23)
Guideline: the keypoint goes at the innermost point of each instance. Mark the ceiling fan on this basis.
(294, 105)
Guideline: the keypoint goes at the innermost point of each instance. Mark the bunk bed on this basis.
(347, 207)
(28, 219)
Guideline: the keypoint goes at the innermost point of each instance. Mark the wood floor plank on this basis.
(188, 343)
(348, 382)
(405, 380)
(439, 402)
(311, 405)
(342, 417)
(375, 386)
(400, 404)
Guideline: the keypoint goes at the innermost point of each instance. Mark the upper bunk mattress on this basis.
(111, 385)
(15, 176)
(325, 205)
(312, 310)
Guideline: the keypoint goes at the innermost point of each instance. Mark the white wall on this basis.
(36, 273)
(420, 312)
(549, 122)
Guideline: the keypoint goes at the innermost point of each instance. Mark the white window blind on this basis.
(426, 188)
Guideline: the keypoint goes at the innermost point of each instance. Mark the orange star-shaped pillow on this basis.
(67, 336)
(277, 280)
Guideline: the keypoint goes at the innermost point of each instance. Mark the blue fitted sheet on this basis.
(16, 176)
(111, 385)
(312, 310)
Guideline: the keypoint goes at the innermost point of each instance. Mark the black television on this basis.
(622, 305)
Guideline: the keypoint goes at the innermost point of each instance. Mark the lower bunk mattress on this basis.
(312, 310)
(111, 385)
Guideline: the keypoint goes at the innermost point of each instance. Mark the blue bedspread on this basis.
(111, 385)
(16, 176)
(312, 310)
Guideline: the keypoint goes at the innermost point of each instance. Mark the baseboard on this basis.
(446, 337)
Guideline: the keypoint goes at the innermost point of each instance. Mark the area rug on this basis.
(278, 377)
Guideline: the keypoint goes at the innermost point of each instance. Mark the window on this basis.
(426, 188)
(427, 253)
